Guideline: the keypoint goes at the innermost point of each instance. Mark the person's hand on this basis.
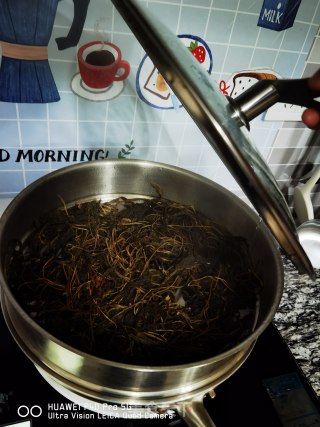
(310, 116)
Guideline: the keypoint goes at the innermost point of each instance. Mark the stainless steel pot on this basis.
(180, 387)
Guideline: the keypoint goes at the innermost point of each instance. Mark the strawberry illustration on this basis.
(197, 51)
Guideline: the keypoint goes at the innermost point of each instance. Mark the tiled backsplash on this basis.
(38, 138)
(295, 145)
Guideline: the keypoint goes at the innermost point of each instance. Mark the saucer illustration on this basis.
(151, 86)
(91, 94)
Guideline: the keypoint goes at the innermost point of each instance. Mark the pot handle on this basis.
(194, 413)
(265, 93)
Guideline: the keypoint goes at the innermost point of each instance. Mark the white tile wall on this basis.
(237, 43)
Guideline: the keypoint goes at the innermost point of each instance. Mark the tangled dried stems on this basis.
(146, 281)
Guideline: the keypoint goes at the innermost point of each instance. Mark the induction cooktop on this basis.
(269, 389)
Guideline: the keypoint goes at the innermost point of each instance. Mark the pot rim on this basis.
(126, 366)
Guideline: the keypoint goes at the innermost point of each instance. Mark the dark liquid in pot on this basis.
(100, 58)
(146, 282)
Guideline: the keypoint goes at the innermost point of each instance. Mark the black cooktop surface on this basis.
(268, 390)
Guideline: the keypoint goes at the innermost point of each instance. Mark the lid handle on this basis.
(266, 93)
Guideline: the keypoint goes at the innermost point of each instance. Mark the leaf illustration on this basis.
(126, 150)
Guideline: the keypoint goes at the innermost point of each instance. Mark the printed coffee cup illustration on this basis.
(101, 71)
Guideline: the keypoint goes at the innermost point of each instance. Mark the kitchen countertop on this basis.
(297, 318)
(298, 321)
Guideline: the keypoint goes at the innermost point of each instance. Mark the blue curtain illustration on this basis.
(25, 30)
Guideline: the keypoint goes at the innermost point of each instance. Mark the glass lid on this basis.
(216, 118)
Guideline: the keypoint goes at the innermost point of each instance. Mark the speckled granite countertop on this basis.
(298, 320)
